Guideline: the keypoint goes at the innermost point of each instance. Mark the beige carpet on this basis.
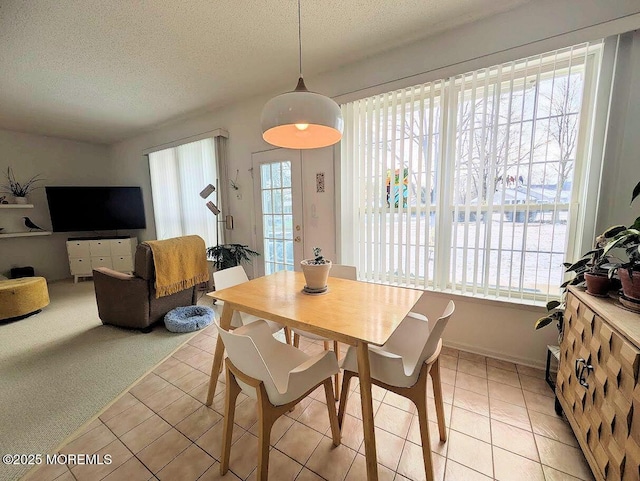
(60, 367)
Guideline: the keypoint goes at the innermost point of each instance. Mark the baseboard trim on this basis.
(535, 363)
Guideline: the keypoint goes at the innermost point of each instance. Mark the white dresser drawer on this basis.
(78, 248)
(122, 263)
(100, 248)
(86, 255)
(80, 266)
(120, 247)
(101, 262)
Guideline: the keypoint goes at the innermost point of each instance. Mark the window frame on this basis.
(448, 92)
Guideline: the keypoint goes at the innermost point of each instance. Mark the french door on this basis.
(277, 180)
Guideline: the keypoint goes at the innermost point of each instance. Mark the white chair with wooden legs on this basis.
(278, 376)
(233, 276)
(343, 272)
(401, 365)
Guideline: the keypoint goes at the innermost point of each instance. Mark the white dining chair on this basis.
(401, 365)
(233, 276)
(278, 376)
(341, 271)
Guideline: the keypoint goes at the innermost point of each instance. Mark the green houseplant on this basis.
(628, 270)
(591, 270)
(20, 190)
(555, 313)
(615, 237)
(224, 256)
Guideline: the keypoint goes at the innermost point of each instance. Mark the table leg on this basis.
(367, 411)
(225, 323)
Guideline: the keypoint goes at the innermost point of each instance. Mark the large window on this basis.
(471, 184)
(178, 175)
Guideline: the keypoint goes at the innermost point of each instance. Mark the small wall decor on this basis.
(320, 182)
(234, 182)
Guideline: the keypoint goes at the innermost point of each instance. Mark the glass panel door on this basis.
(279, 207)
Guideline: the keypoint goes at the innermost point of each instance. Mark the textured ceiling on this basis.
(106, 70)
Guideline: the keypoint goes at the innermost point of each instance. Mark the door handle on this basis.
(297, 239)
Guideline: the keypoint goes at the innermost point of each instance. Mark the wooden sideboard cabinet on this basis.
(597, 383)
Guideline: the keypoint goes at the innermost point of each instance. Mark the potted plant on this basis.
(593, 268)
(18, 190)
(628, 270)
(316, 272)
(555, 313)
(224, 256)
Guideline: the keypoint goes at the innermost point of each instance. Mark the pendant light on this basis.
(301, 119)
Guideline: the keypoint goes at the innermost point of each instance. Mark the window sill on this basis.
(523, 304)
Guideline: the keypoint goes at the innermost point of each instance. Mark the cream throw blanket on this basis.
(180, 263)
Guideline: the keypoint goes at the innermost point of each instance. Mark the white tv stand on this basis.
(87, 253)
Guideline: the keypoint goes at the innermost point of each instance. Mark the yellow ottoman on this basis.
(19, 297)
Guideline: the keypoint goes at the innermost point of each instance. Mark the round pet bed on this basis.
(189, 318)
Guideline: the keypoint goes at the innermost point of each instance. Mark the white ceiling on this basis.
(105, 70)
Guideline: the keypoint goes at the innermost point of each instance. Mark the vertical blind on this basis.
(470, 184)
(178, 175)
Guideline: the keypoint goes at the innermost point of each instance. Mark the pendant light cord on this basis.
(299, 41)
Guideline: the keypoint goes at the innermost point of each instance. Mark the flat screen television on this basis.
(95, 208)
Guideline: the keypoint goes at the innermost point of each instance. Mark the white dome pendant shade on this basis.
(301, 120)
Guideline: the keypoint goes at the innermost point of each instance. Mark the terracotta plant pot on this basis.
(597, 284)
(630, 286)
(315, 275)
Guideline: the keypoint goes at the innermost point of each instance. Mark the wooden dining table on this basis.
(352, 312)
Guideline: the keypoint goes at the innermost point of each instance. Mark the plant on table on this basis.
(316, 271)
(318, 258)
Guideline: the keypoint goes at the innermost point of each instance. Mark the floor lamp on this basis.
(228, 219)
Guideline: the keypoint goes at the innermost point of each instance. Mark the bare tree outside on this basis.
(563, 126)
(512, 151)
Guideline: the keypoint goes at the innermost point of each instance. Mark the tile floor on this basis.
(500, 417)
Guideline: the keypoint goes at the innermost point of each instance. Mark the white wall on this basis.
(501, 329)
(621, 171)
(60, 162)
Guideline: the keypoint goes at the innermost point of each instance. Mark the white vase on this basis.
(19, 200)
(315, 274)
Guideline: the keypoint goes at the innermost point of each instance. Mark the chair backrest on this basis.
(416, 339)
(343, 271)
(436, 332)
(244, 351)
(232, 276)
(229, 277)
(143, 262)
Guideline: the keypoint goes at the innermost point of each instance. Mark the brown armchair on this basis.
(129, 301)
